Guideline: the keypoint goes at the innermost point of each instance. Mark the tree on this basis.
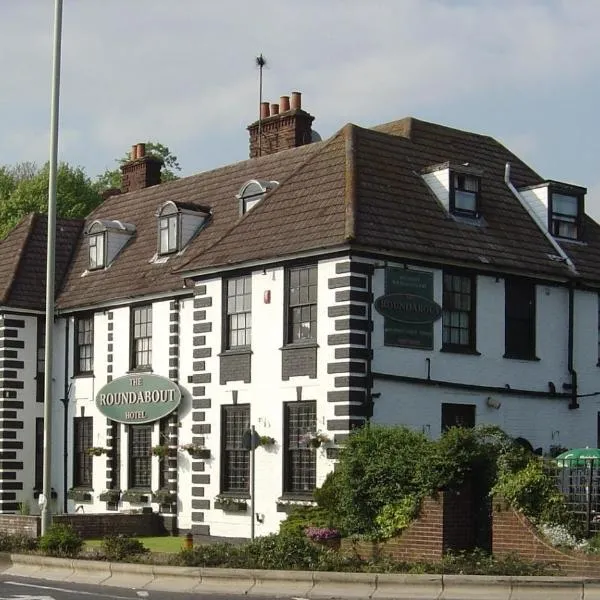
(24, 189)
(112, 178)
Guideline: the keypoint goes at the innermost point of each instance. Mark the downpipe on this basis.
(572, 372)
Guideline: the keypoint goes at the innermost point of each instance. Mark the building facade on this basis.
(408, 274)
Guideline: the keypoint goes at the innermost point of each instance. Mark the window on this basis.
(239, 307)
(457, 415)
(302, 304)
(458, 313)
(565, 215)
(464, 194)
(519, 333)
(84, 347)
(252, 192)
(39, 454)
(168, 226)
(300, 466)
(96, 246)
(82, 459)
(140, 456)
(41, 350)
(235, 473)
(141, 352)
(116, 454)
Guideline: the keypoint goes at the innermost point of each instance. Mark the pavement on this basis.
(298, 584)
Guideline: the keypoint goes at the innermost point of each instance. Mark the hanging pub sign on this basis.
(408, 308)
(139, 398)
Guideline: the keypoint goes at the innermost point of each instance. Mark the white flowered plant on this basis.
(558, 535)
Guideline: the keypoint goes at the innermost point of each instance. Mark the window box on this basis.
(135, 497)
(231, 504)
(110, 496)
(164, 496)
(196, 451)
(96, 451)
(79, 495)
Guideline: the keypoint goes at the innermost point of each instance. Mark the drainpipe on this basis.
(572, 372)
(536, 219)
(65, 401)
(370, 346)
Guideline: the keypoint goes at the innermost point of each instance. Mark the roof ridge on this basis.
(350, 196)
(270, 194)
(32, 219)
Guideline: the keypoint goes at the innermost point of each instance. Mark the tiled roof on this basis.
(361, 188)
(23, 260)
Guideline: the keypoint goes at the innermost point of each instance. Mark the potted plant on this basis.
(96, 451)
(314, 439)
(196, 450)
(161, 451)
(230, 504)
(266, 440)
(110, 496)
(164, 496)
(79, 495)
(324, 536)
(135, 496)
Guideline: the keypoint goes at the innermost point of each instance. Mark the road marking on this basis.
(66, 590)
(21, 597)
(143, 594)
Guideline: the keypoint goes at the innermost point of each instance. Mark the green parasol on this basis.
(578, 457)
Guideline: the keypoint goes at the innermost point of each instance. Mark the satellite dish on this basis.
(315, 136)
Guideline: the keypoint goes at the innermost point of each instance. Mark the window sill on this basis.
(234, 495)
(307, 344)
(296, 498)
(460, 350)
(525, 358)
(236, 351)
(139, 370)
(83, 375)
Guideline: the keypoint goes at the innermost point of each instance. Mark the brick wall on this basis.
(512, 532)
(99, 525)
(28, 525)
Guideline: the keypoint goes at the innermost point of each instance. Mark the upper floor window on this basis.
(458, 313)
(239, 312)
(252, 192)
(141, 334)
(301, 304)
(519, 330)
(96, 248)
(84, 346)
(168, 226)
(464, 194)
(566, 212)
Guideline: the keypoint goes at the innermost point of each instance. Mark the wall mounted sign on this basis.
(408, 308)
(139, 398)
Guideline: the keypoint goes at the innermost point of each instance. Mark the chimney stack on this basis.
(141, 171)
(282, 126)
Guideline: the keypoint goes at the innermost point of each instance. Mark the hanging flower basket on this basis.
(324, 536)
(134, 497)
(164, 496)
(96, 451)
(79, 495)
(313, 439)
(160, 451)
(196, 450)
(231, 504)
(110, 496)
(266, 440)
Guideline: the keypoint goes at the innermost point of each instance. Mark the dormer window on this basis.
(252, 192)
(565, 212)
(105, 240)
(97, 255)
(168, 224)
(464, 194)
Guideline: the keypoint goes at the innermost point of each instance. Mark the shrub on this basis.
(120, 547)
(302, 517)
(17, 543)
(213, 555)
(283, 552)
(61, 540)
(479, 562)
(398, 516)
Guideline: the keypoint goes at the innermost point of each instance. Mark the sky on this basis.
(182, 72)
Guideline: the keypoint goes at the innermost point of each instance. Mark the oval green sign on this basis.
(138, 398)
(408, 308)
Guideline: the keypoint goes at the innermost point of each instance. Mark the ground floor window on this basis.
(83, 435)
(140, 456)
(457, 415)
(39, 454)
(300, 460)
(235, 471)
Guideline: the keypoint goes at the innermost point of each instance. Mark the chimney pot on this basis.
(296, 103)
(284, 103)
(134, 152)
(141, 150)
(264, 110)
(274, 109)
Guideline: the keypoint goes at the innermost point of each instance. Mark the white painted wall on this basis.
(439, 184)
(537, 199)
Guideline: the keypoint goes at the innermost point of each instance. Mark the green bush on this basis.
(283, 552)
(393, 518)
(213, 555)
(61, 540)
(302, 517)
(17, 543)
(121, 547)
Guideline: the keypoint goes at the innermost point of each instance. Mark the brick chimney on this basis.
(141, 171)
(283, 126)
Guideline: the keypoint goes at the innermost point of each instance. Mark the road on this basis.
(22, 588)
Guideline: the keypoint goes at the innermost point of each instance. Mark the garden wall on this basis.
(99, 525)
(28, 525)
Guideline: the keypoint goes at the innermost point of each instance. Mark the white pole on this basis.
(252, 483)
(47, 486)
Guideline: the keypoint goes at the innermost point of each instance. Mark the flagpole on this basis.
(50, 256)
